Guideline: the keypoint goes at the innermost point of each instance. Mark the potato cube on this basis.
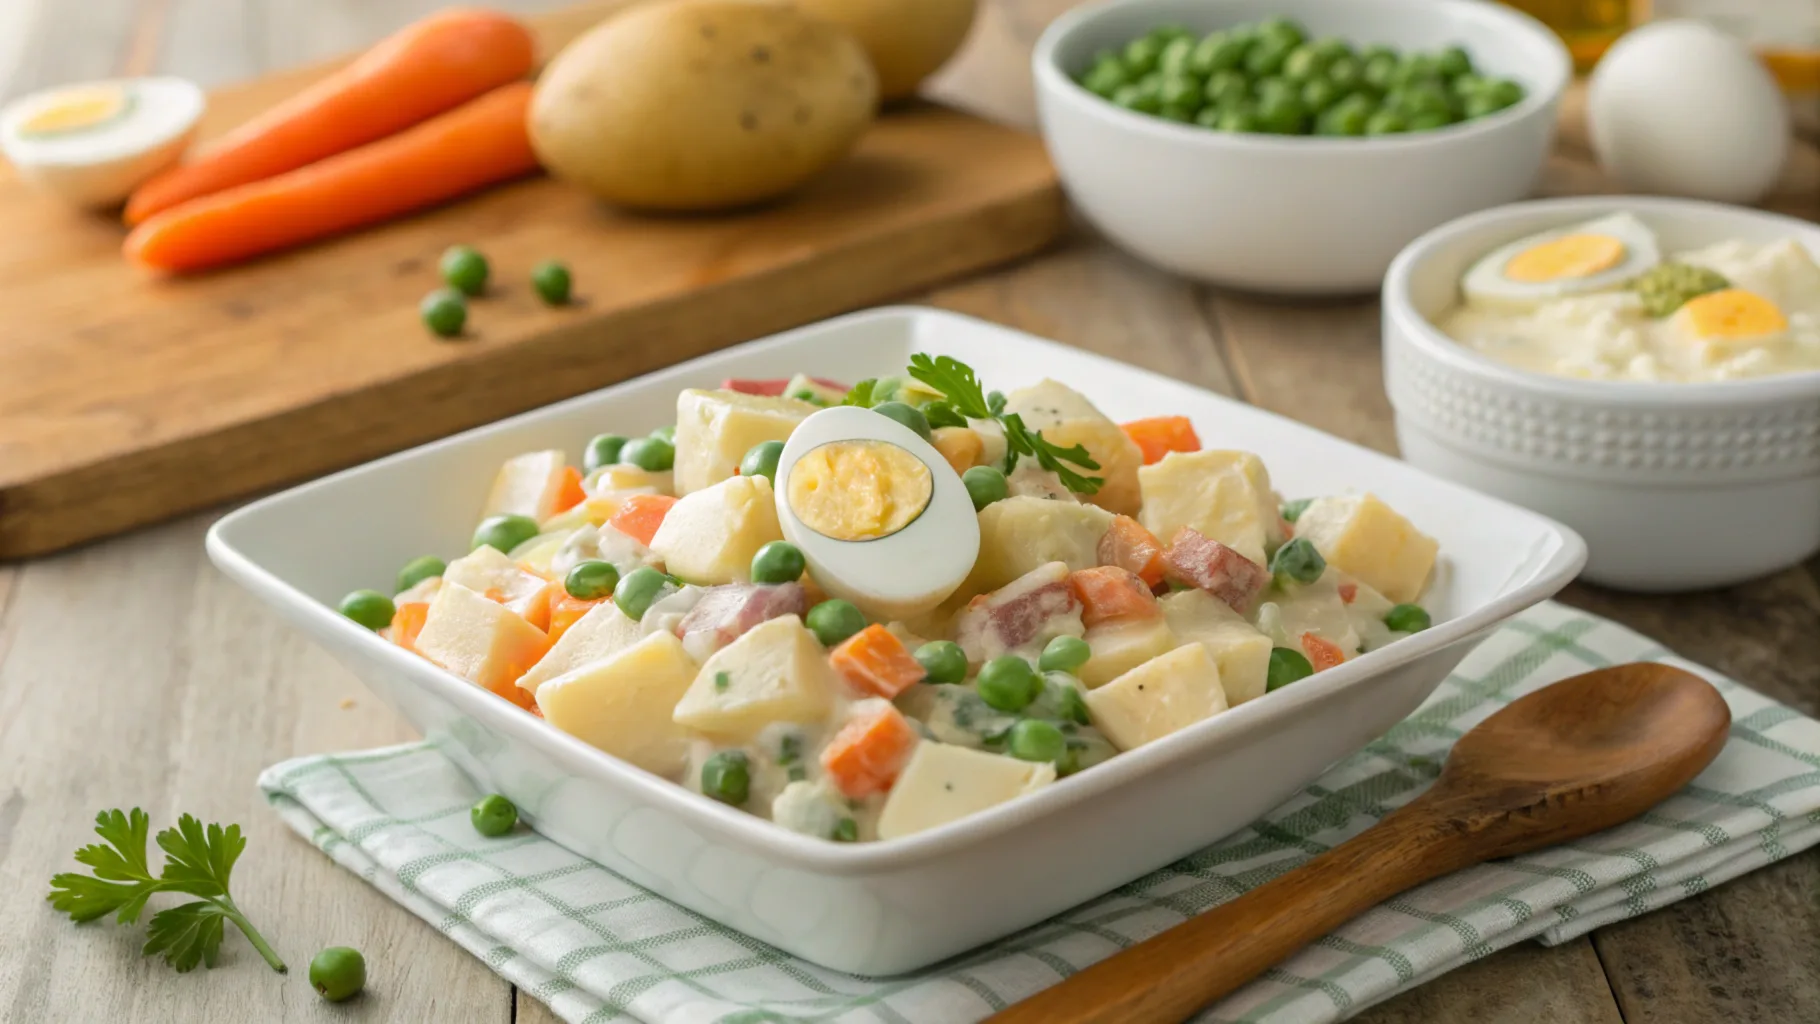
(1158, 697)
(1119, 647)
(961, 446)
(623, 704)
(1237, 648)
(943, 782)
(1065, 417)
(1363, 537)
(527, 485)
(776, 672)
(715, 429)
(485, 569)
(603, 632)
(1018, 535)
(1224, 495)
(710, 536)
(479, 639)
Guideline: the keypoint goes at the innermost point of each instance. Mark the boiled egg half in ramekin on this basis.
(880, 516)
(92, 144)
(1597, 256)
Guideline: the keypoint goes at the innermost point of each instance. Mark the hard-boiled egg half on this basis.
(881, 518)
(1718, 325)
(1597, 256)
(92, 144)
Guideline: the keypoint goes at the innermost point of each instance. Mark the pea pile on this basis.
(1269, 77)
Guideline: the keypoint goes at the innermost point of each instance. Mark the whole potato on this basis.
(906, 39)
(701, 104)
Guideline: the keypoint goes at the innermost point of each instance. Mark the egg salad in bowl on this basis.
(863, 612)
(1601, 300)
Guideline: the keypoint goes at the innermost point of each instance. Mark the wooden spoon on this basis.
(1568, 760)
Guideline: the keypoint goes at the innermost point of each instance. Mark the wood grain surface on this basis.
(125, 398)
(130, 672)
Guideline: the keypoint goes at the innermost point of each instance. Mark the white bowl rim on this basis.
(1437, 346)
(1051, 77)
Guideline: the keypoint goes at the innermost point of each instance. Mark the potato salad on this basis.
(863, 612)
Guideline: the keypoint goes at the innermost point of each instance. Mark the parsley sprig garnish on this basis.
(961, 389)
(197, 862)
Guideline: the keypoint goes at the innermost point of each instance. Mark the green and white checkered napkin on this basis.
(597, 948)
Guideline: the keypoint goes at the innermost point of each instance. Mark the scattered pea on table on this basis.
(493, 816)
(444, 312)
(552, 283)
(338, 973)
(465, 269)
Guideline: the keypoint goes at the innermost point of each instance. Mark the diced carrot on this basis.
(533, 570)
(1129, 546)
(505, 682)
(1349, 592)
(876, 661)
(566, 611)
(865, 756)
(407, 622)
(571, 494)
(1160, 435)
(1111, 594)
(537, 612)
(494, 594)
(1322, 653)
(639, 516)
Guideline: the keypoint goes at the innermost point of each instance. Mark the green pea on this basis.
(1292, 510)
(591, 580)
(638, 590)
(943, 660)
(1221, 51)
(1378, 51)
(1330, 49)
(552, 283)
(1274, 88)
(1320, 94)
(1226, 87)
(1286, 666)
(1008, 683)
(1284, 31)
(1104, 80)
(761, 460)
(1345, 118)
(1033, 739)
(369, 608)
(338, 973)
(1386, 122)
(1175, 57)
(417, 570)
(1466, 85)
(985, 485)
(1422, 98)
(444, 312)
(1282, 115)
(493, 816)
(1303, 64)
(907, 414)
(1267, 58)
(1182, 92)
(846, 830)
(1298, 560)
(1208, 116)
(649, 453)
(1504, 92)
(665, 434)
(1142, 55)
(1429, 121)
(726, 776)
(1408, 618)
(1453, 62)
(1062, 695)
(1167, 32)
(778, 562)
(1379, 72)
(1064, 654)
(1238, 119)
(833, 621)
(602, 450)
(1345, 74)
(1136, 99)
(465, 269)
(504, 532)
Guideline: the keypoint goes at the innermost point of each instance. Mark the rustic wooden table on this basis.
(133, 673)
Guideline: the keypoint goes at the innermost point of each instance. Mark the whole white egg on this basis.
(1680, 108)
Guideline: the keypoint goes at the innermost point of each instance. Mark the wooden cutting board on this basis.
(125, 399)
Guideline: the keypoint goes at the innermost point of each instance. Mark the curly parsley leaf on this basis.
(1021, 440)
(955, 380)
(960, 388)
(941, 414)
(861, 394)
(197, 862)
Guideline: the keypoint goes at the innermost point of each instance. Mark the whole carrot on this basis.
(468, 148)
(423, 70)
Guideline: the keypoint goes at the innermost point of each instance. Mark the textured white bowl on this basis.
(1293, 215)
(1674, 486)
(882, 908)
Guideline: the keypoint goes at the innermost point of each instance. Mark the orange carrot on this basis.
(566, 611)
(1349, 592)
(865, 756)
(1160, 435)
(480, 144)
(1111, 594)
(407, 622)
(1322, 653)
(1129, 546)
(875, 661)
(427, 68)
(639, 516)
(571, 494)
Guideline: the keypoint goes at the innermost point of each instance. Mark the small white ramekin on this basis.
(1293, 214)
(1673, 486)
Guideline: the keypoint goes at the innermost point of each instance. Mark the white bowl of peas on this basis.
(1294, 146)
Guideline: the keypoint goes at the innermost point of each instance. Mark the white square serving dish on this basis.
(888, 907)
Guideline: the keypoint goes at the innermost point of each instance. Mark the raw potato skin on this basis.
(702, 104)
(906, 39)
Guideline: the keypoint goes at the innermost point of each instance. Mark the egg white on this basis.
(1487, 287)
(102, 164)
(905, 573)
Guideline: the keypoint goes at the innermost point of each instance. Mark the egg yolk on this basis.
(1732, 314)
(77, 110)
(859, 490)
(1565, 257)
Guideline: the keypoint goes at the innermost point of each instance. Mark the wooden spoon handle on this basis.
(1168, 977)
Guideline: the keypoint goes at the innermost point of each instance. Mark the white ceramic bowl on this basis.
(881, 908)
(1674, 486)
(1293, 215)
